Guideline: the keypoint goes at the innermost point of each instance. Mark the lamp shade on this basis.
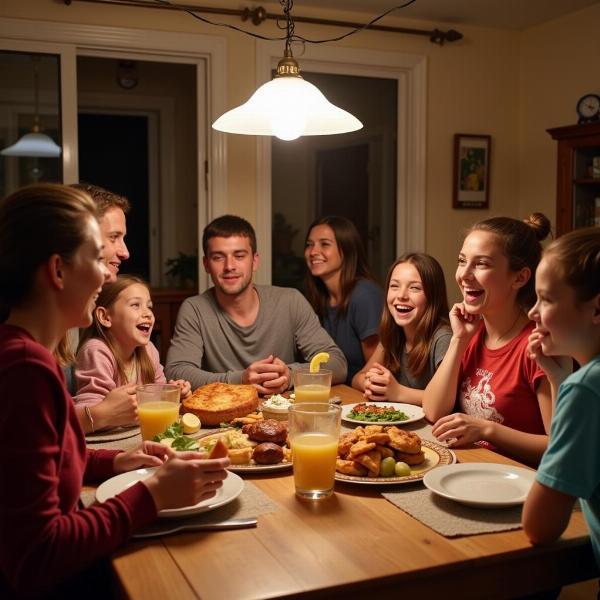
(287, 107)
(33, 144)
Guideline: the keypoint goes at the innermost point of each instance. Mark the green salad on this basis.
(376, 414)
(173, 437)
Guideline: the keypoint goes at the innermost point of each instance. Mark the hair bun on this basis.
(540, 224)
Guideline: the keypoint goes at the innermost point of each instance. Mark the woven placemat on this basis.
(112, 435)
(251, 503)
(452, 519)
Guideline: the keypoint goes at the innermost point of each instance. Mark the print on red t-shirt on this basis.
(500, 385)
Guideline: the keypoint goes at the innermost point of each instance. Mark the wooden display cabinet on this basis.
(166, 302)
(577, 183)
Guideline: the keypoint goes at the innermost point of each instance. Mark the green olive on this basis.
(387, 467)
(402, 469)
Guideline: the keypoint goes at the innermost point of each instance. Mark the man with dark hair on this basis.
(238, 332)
(112, 209)
(227, 226)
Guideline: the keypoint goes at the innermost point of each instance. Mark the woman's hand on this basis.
(557, 368)
(464, 324)
(149, 454)
(185, 387)
(186, 480)
(380, 384)
(459, 429)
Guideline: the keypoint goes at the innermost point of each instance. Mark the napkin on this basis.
(252, 502)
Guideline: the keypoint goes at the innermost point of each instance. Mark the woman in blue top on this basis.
(341, 289)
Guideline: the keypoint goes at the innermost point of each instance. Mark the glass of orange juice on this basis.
(314, 430)
(158, 407)
(312, 386)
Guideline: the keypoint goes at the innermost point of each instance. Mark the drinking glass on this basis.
(312, 387)
(158, 407)
(314, 430)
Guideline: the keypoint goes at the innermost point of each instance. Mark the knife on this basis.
(160, 529)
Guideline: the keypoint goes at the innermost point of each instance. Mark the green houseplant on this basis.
(183, 269)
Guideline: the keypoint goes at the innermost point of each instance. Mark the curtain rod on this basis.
(258, 15)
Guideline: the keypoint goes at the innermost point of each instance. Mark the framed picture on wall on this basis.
(471, 171)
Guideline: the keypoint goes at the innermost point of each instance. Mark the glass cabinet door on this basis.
(586, 187)
(578, 176)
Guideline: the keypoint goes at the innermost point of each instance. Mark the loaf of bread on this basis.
(221, 402)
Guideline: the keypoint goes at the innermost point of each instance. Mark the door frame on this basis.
(376, 138)
(70, 40)
(410, 71)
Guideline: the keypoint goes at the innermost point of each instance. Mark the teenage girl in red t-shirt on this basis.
(503, 399)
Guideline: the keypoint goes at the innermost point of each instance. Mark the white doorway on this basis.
(154, 165)
(206, 53)
(352, 175)
(410, 73)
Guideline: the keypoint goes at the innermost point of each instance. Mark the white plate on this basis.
(435, 456)
(231, 489)
(481, 484)
(414, 413)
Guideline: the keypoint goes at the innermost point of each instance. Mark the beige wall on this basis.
(511, 85)
(560, 62)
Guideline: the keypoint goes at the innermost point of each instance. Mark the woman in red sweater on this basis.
(52, 269)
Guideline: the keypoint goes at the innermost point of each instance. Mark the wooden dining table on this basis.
(350, 545)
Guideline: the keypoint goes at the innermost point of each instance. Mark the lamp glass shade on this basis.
(287, 107)
(33, 144)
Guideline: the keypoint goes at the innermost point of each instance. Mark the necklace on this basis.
(505, 334)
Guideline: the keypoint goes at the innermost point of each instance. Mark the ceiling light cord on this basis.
(36, 95)
(259, 15)
(290, 36)
(287, 6)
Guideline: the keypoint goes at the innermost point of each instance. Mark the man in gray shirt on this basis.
(238, 332)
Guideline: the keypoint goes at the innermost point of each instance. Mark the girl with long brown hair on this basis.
(414, 332)
(341, 290)
(116, 349)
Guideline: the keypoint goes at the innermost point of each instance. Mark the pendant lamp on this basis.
(288, 106)
(35, 144)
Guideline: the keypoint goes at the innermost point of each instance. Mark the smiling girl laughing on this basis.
(501, 396)
(116, 349)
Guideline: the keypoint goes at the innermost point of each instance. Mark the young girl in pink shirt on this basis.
(116, 349)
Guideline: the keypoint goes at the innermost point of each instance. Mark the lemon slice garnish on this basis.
(190, 422)
(317, 359)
